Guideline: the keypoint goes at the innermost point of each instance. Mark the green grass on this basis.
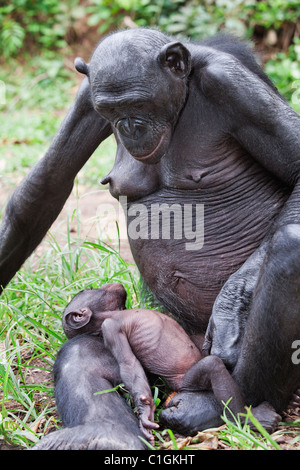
(30, 325)
(31, 306)
(37, 95)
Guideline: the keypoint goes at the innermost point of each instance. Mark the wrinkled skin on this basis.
(142, 342)
(201, 124)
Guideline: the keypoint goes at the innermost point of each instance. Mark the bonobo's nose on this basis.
(131, 128)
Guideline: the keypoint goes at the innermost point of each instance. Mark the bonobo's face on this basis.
(139, 83)
(84, 314)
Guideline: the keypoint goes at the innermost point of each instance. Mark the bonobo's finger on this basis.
(149, 424)
(146, 400)
(147, 433)
(296, 395)
(295, 400)
(206, 347)
(208, 338)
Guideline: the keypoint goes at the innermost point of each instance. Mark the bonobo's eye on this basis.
(132, 128)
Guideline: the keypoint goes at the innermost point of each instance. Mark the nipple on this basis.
(105, 180)
(196, 175)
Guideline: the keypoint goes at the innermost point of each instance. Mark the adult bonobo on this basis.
(196, 124)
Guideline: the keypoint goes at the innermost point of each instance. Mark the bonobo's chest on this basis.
(197, 225)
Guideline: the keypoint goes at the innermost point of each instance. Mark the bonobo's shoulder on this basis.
(213, 50)
(226, 43)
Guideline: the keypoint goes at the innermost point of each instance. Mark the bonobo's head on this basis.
(139, 83)
(84, 314)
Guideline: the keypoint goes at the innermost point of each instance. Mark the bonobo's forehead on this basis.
(85, 298)
(126, 61)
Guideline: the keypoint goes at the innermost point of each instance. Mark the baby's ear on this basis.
(78, 318)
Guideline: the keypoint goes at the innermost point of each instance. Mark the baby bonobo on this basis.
(147, 341)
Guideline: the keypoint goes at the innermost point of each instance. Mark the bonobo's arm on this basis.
(259, 118)
(210, 373)
(36, 203)
(131, 372)
(265, 125)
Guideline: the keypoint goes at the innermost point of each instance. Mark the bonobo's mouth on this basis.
(155, 155)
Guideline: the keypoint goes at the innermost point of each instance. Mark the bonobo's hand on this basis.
(190, 412)
(225, 331)
(146, 409)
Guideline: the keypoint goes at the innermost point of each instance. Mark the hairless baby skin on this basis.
(144, 341)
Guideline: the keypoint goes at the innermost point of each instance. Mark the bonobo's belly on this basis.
(184, 269)
(239, 198)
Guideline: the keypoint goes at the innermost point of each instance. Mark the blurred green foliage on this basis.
(40, 22)
(45, 25)
(195, 18)
(46, 22)
(284, 71)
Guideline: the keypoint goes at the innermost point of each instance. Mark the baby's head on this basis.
(83, 313)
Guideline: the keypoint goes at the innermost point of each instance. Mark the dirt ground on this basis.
(92, 214)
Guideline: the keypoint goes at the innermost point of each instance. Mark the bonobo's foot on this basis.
(190, 412)
(89, 437)
(267, 416)
(295, 400)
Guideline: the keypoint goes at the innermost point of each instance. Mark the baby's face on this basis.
(85, 313)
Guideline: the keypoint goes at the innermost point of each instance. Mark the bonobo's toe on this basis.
(190, 412)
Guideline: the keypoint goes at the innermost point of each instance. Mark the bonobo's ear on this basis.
(177, 58)
(78, 318)
(81, 66)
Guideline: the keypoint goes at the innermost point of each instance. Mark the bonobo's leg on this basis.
(265, 370)
(132, 374)
(211, 374)
(84, 367)
(38, 200)
(190, 412)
